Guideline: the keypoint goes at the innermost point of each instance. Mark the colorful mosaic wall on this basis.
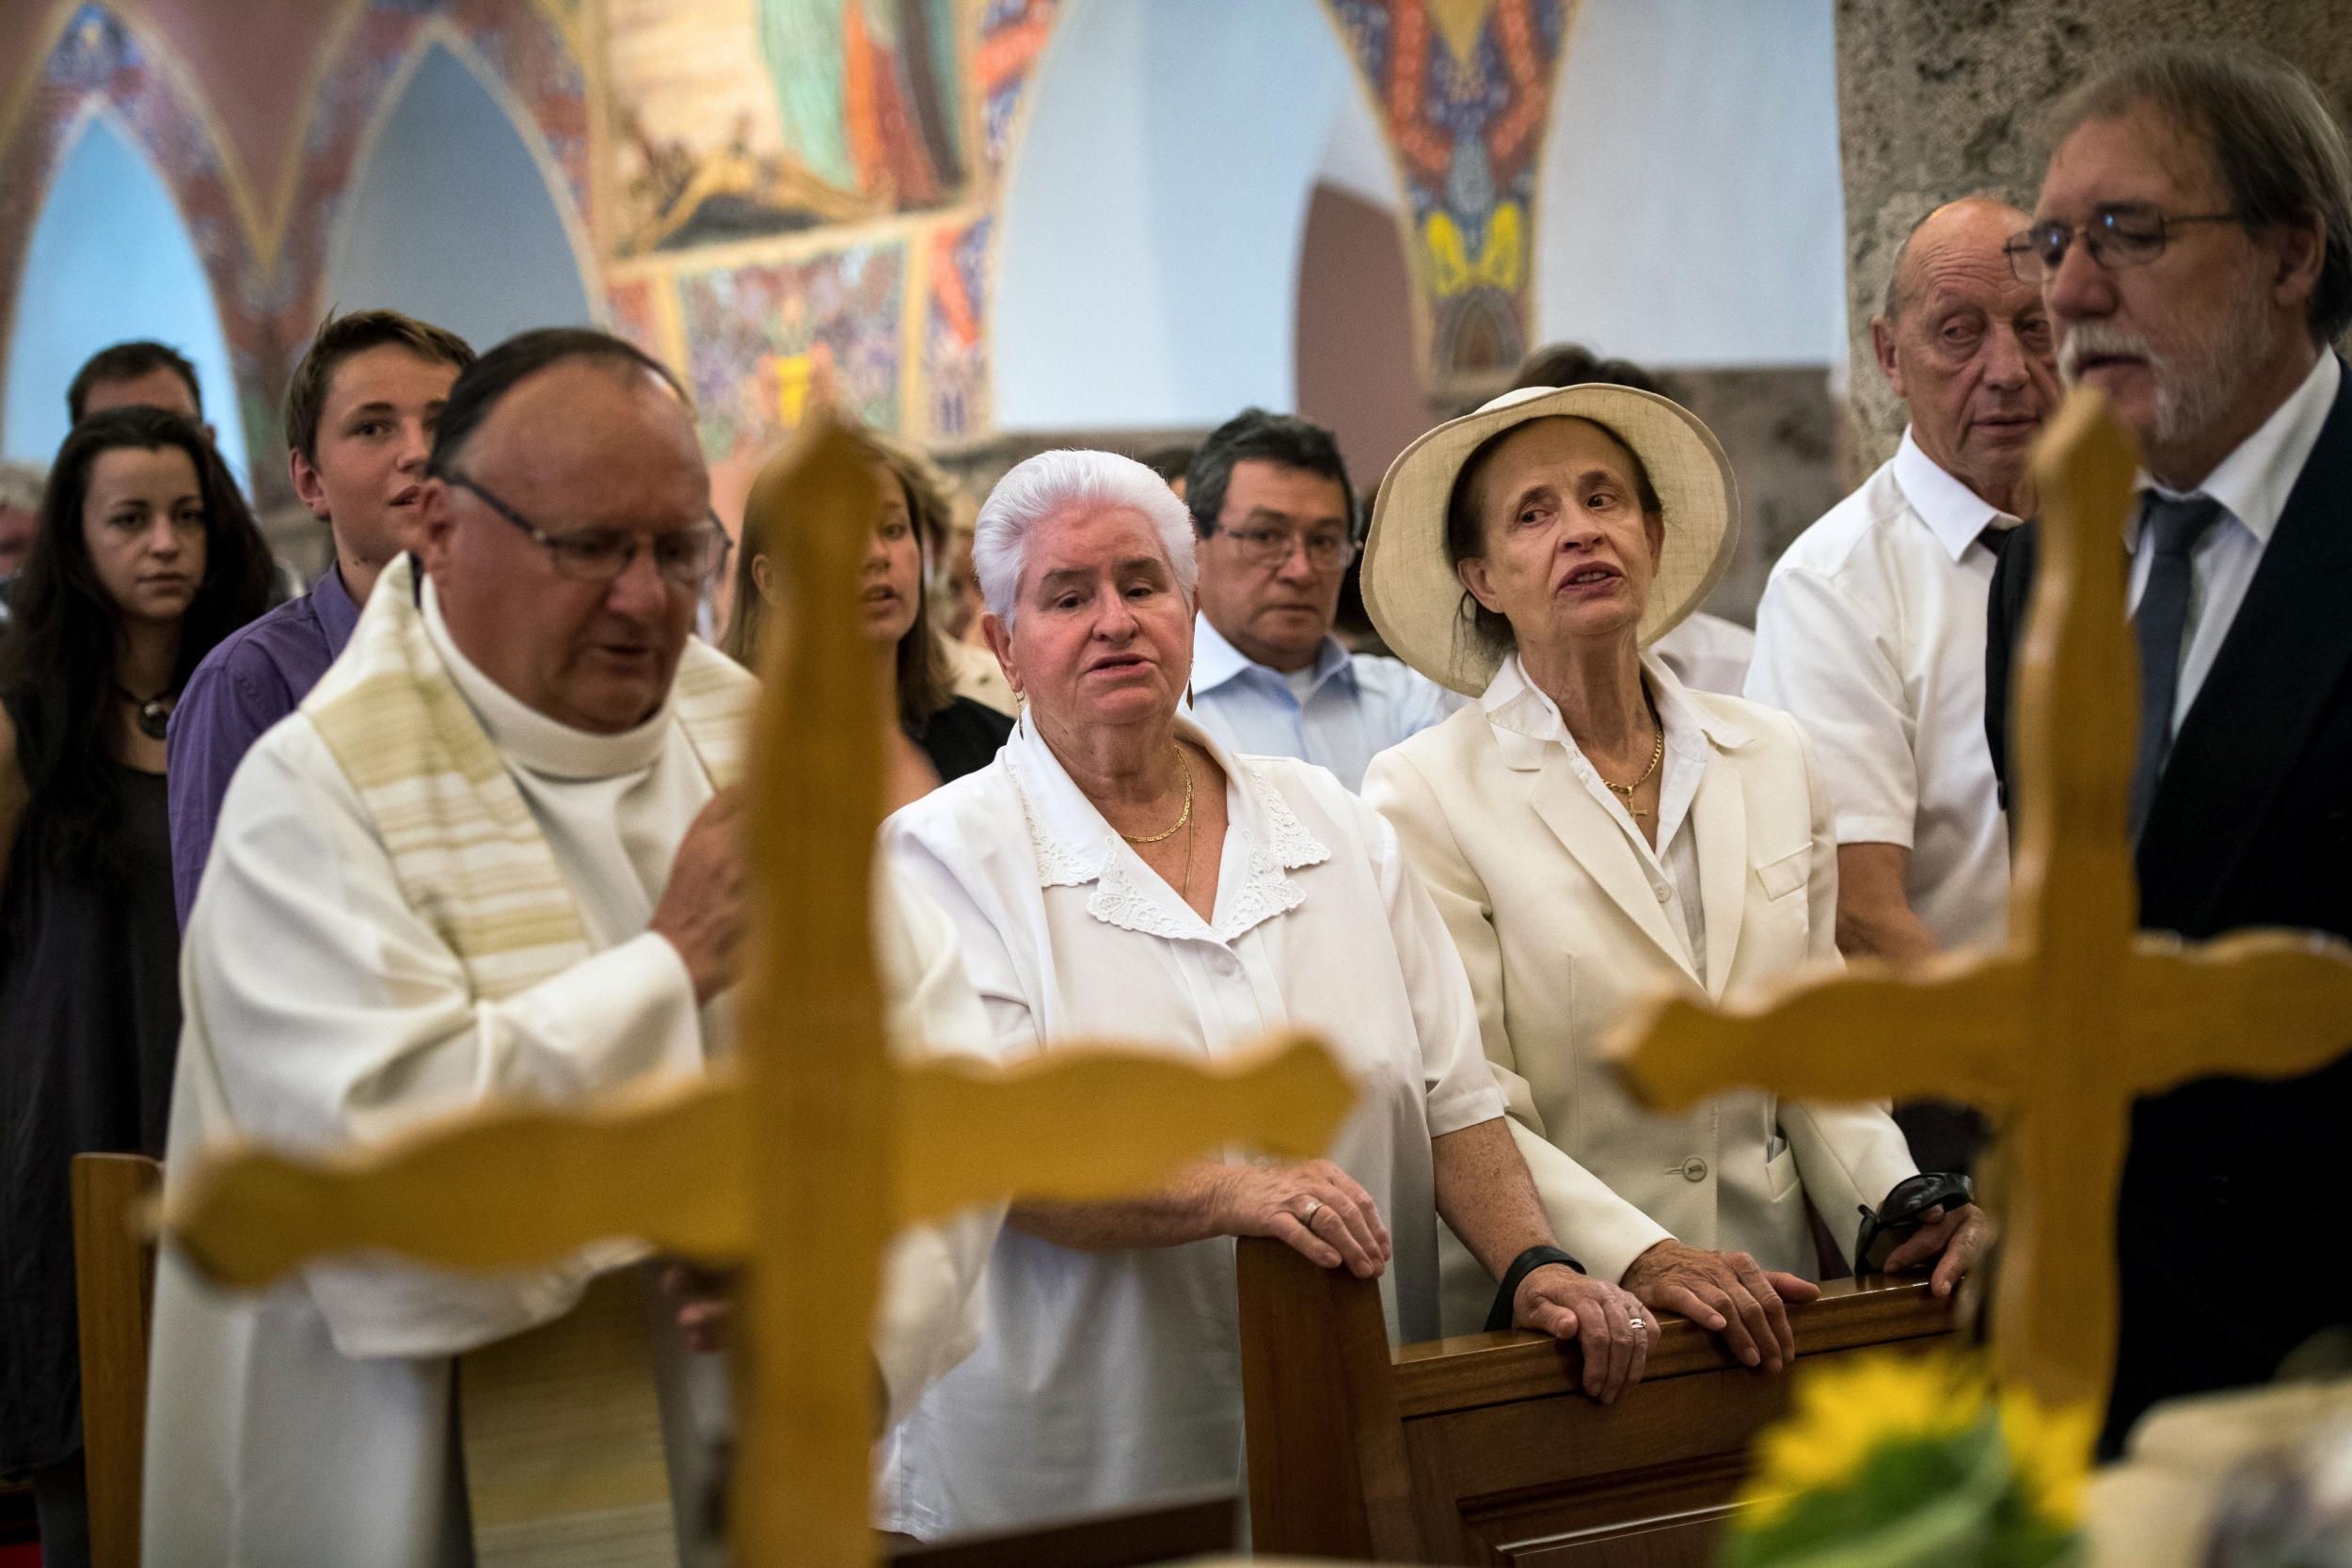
(821, 189)
(267, 258)
(97, 60)
(822, 236)
(762, 334)
(534, 68)
(1464, 90)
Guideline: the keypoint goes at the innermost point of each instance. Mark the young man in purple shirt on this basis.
(360, 418)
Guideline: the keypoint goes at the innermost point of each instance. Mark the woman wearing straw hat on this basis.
(1591, 829)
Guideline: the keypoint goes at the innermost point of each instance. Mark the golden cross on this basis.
(801, 1157)
(2082, 1012)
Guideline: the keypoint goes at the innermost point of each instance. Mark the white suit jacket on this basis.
(1563, 930)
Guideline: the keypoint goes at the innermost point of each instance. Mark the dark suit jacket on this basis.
(2232, 1245)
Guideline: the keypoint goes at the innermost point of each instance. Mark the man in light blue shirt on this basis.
(1271, 501)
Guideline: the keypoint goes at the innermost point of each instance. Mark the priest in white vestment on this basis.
(491, 855)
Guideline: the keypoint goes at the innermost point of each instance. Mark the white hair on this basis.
(21, 485)
(1054, 483)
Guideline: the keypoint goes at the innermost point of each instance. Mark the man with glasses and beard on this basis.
(2193, 243)
(1276, 516)
(496, 851)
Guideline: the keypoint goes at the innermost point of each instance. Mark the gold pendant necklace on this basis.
(1154, 838)
(1656, 755)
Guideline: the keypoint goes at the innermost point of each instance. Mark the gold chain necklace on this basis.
(1154, 838)
(1656, 755)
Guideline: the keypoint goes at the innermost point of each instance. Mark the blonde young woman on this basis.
(1593, 830)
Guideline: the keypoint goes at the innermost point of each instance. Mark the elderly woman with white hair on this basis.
(1117, 874)
(1594, 832)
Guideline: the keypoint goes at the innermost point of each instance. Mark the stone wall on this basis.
(1937, 99)
(1779, 427)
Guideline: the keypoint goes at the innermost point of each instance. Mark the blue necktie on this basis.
(2170, 530)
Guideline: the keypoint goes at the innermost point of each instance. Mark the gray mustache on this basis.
(2093, 338)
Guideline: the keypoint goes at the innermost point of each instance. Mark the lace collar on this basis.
(1073, 845)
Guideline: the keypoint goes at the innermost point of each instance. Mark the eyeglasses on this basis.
(2121, 236)
(1328, 550)
(685, 557)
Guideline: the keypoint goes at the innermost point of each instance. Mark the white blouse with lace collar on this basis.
(1105, 1379)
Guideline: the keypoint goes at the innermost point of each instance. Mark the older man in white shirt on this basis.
(1276, 516)
(1871, 628)
(493, 853)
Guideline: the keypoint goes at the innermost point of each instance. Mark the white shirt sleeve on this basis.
(1819, 658)
(972, 913)
(1459, 1087)
(326, 1014)
(1847, 1154)
(929, 1317)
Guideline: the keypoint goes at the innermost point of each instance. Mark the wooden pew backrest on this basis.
(1483, 1449)
(114, 1277)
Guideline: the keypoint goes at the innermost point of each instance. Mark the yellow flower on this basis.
(2049, 1451)
(1849, 1409)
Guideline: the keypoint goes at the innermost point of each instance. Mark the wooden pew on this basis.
(114, 1276)
(1483, 1449)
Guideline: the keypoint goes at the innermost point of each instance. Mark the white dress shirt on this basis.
(1106, 1379)
(312, 1423)
(1872, 632)
(1520, 705)
(1708, 653)
(1339, 713)
(2252, 484)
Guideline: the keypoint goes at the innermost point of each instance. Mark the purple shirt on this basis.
(257, 676)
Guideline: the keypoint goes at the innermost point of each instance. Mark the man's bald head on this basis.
(1968, 347)
(572, 456)
(1961, 226)
(489, 380)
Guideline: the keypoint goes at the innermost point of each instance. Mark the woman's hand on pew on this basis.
(1728, 1293)
(1314, 1208)
(1607, 1322)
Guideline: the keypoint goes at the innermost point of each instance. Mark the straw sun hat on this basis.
(1410, 585)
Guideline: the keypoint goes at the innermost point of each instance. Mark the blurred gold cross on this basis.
(801, 1158)
(2057, 1035)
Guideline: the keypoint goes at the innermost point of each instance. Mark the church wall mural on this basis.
(762, 188)
(1463, 88)
(834, 164)
(94, 56)
(264, 234)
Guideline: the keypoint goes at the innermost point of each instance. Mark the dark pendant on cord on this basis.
(154, 713)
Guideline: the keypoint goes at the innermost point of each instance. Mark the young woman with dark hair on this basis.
(143, 557)
(955, 735)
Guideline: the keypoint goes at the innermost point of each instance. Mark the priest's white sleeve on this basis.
(929, 1317)
(325, 1013)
